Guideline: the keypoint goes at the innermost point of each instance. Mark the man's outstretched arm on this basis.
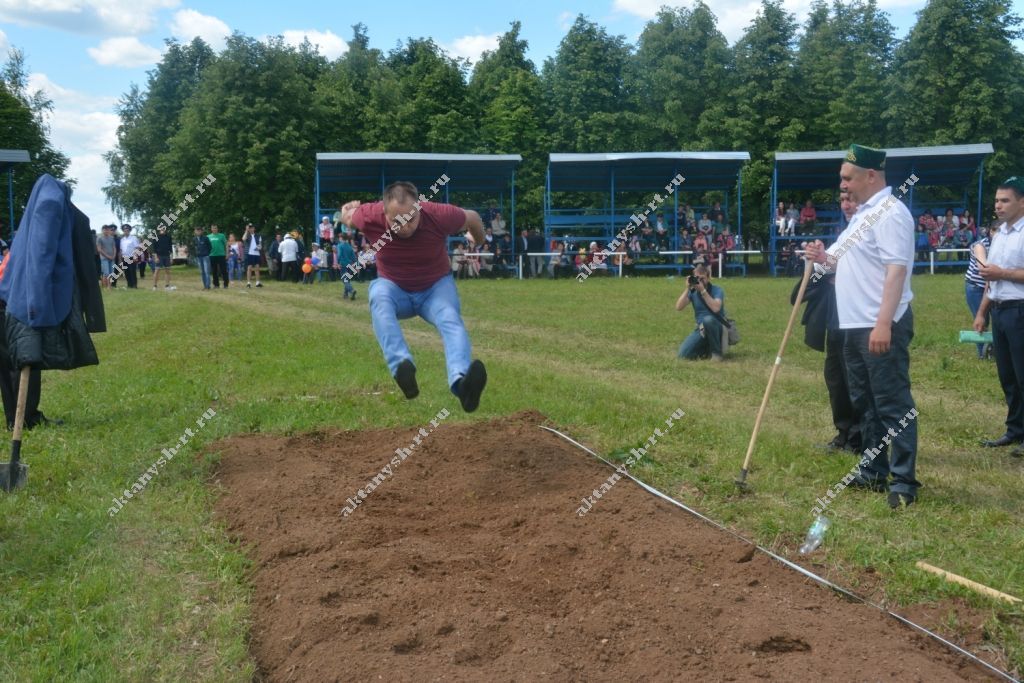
(474, 225)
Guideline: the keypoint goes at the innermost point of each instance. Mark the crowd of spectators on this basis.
(948, 231)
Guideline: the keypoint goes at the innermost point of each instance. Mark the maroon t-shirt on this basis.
(417, 262)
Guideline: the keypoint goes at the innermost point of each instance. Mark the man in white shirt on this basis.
(1003, 272)
(129, 245)
(872, 260)
(289, 251)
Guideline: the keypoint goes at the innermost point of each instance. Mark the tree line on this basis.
(255, 114)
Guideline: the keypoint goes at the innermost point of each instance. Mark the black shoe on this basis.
(471, 386)
(1004, 440)
(897, 500)
(862, 482)
(405, 375)
(353, 295)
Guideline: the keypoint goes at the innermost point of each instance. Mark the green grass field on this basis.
(158, 592)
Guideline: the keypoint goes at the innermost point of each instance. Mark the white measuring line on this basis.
(806, 572)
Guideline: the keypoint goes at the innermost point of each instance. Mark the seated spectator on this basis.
(489, 235)
(705, 226)
(700, 246)
(621, 259)
(648, 241)
(659, 224)
(595, 259)
(927, 220)
(634, 246)
(325, 231)
(661, 237)
(967, 221)
(716, 215)
(808, 217)
(949, 222)
(580, 261)
(792, 218)
(691, 219)
(725, 241)
(963, 237)
(685, 241)
(780, 218)
(498, 224)
(486, 259)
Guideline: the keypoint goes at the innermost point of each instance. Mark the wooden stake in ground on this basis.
(742, 480)
(973, 585)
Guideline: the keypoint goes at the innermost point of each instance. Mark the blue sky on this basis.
(85, 53)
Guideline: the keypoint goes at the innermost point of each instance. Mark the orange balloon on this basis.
(306, 268)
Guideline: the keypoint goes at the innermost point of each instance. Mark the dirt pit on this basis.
(471, 563)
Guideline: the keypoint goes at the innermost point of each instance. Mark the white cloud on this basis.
(128, 52)
(734, 16)
(105, 17)
(565, 20)
(83, 126)
(471, 47)
(327, 43)
(188, 24)
(4, 45)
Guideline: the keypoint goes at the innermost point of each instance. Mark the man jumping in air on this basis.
(410, 236)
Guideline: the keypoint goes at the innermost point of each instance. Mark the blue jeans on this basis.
(204, 270)
(438, 305)
(349, 289)
(973, 293)
(696, 346)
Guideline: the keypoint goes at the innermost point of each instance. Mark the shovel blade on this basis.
(8, 482)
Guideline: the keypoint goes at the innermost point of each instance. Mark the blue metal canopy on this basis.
(945, 166)
(952, 166)
(644, 171)
(373, 171)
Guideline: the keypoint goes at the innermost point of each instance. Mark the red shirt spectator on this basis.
(808, 214)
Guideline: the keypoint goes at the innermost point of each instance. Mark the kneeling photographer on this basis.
(709, 313)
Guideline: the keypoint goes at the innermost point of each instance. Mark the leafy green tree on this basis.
(23, 125)
(680, 67)
(252, 123)
(148, 123)
(583, 85)
(958, 79)
(420, 103)
(760, 112)
(509, 100)
(842, 65)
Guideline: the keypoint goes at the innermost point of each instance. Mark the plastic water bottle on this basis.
(815, 535)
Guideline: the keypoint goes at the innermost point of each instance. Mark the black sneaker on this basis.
(405, 375)
(897, 500)
(472, 385)
(353, 295)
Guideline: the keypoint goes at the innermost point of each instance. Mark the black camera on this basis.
(693, 280)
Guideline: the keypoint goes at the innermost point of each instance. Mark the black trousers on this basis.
(844, 417)
(131, 275)
(1008, 348)
(880, 392)
(219, 270)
